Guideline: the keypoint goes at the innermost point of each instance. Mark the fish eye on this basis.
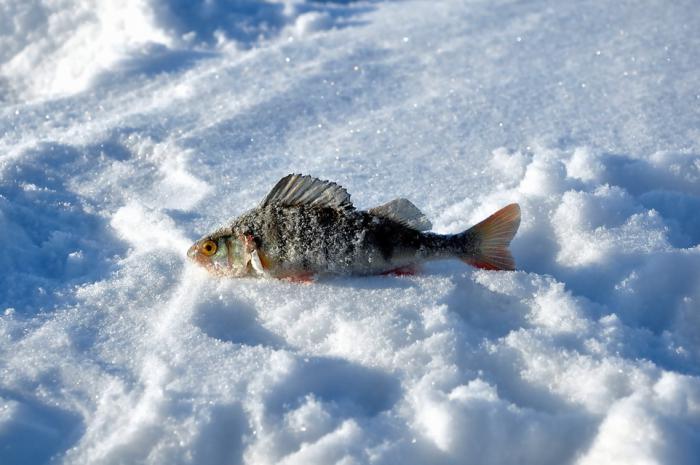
(208, 248)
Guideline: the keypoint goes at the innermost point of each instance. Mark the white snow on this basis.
(128, 131)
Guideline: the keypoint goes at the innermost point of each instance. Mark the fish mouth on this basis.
(200, 259)
(192, 253)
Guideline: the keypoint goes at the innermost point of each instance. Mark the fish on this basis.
(307, 227)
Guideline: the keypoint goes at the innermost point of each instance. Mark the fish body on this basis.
(307, 227)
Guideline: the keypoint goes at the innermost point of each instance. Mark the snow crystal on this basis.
(128, 132)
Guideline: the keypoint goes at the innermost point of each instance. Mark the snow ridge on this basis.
(114, 349)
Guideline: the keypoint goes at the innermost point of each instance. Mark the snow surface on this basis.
(125, 133)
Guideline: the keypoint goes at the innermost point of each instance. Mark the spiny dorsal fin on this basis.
(404, 212)
(297, 189)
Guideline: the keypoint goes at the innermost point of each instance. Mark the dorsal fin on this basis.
(404, 212)
(297, 189)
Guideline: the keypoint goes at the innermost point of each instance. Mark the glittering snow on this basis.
(127, 132)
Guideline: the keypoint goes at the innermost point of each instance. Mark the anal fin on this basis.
(410, 270)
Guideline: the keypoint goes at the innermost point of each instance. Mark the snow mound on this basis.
(50, 49)
(115, 349)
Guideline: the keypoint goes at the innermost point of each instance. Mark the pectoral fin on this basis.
(256, 263)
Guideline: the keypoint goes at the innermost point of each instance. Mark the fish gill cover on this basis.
(126, 131)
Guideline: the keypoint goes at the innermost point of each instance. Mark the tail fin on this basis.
(489, 240)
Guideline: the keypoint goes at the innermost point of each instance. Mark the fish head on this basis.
(226, 255)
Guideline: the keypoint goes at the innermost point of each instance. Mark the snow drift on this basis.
(174, 118)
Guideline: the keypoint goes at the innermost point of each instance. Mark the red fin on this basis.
(305, 278)
(492, 237)
(403, 271)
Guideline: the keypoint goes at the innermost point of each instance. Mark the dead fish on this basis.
(306, 227)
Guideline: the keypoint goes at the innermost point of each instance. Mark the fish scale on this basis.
(307, 226)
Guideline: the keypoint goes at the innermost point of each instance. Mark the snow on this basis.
(126, 133)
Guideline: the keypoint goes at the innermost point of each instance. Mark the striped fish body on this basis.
(306, 227)
(309, 239)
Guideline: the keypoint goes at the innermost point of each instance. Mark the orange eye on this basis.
(208, 248)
